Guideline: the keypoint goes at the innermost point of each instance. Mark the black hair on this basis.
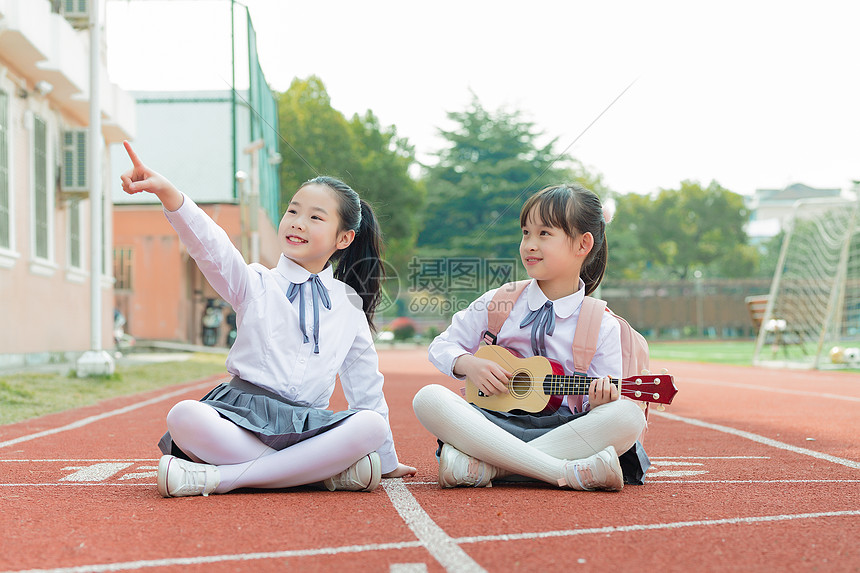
(360, 264)
(575, 210)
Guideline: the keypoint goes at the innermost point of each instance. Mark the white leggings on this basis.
(244, 461)
(454, 421)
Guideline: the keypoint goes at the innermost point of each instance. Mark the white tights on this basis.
(244, 461)
(454, 421)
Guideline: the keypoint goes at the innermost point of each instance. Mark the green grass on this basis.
(718, 352)
(28, 395)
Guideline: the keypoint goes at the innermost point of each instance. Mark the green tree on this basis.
(681, 230)
(372, 159)
(478, 185)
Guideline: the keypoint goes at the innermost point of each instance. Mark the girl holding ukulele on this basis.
(564, 251)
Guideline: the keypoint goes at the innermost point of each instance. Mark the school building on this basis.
(45, 262)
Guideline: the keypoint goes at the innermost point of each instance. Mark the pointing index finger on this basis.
(135, 160)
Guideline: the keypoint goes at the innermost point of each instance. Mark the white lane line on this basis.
(652, 526)
(774, 390)
(753, 481)
(91, 419)
(760, 439)
(661, 458)
(432, 537)
(132, 565)
(408, 568)
(649, 482)
(81, 460)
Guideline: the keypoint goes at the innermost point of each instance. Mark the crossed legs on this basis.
(456, 422)
(244, 461)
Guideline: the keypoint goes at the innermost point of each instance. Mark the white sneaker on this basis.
(457, 468)
(178, 477)
(600, 471)
(363, 475)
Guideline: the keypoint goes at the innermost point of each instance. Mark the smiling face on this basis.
(310, 232)
(552, 257)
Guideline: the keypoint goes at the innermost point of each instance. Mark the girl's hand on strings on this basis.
(142, 178)
(401, 471)
(601, 391)
(489, 377)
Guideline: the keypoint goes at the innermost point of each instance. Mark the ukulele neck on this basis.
(575, 385)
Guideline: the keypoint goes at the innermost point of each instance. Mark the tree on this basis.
(692, 227)
(371, 159)
(477, 187)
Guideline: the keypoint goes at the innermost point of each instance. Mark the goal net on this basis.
(812, 317)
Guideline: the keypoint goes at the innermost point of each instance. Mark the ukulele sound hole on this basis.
(520, 384)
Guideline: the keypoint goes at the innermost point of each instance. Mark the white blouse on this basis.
(270, 350)
(467, 328)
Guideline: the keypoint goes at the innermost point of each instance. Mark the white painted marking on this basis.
(140, 475)
(77, 483)
(152, 484)
(179, 561)
(774, 390)
(675, 473)
(408, 568)
(82, 460)
(710, 458)
(431, 536)
(91, 419)
(132, 565)
(761, 439)
(754, 481)
(95, 472)
(653, 526)
(676, 463)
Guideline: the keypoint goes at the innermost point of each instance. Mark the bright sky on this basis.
(752, 94)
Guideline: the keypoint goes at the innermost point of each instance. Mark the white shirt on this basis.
(467, 328)
(270, 350)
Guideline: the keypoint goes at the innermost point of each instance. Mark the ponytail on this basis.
(595, 265)
(360, 264)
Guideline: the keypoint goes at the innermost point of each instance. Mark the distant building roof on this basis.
(794, 192)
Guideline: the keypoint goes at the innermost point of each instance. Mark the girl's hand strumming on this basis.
(142, 178)
(489, 377)
(402, 470)
(601, 391)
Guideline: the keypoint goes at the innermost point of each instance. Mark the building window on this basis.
(75, 233)
(41, 208)
(5, 205)
(122, 263)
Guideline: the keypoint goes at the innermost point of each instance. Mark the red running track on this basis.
(754, 470)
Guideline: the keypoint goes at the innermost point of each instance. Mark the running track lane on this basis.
(737, 485)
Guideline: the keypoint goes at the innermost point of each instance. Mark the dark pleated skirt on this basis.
(276, 421)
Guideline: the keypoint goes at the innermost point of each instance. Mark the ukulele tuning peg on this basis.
(661, 408)
(664, 371)
(645, 372)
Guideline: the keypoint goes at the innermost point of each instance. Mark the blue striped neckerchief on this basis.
(318, 293)
(543, 325)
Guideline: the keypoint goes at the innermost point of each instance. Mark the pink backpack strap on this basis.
(587, 332)
(499, 308)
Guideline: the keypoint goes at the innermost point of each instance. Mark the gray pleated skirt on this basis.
(276, 421)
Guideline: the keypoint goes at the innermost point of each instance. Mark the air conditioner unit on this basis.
(77, 12)
(73, 178)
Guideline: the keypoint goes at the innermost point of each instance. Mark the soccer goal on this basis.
(812, 314)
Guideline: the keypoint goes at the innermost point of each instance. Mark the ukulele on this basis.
(538, 383)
